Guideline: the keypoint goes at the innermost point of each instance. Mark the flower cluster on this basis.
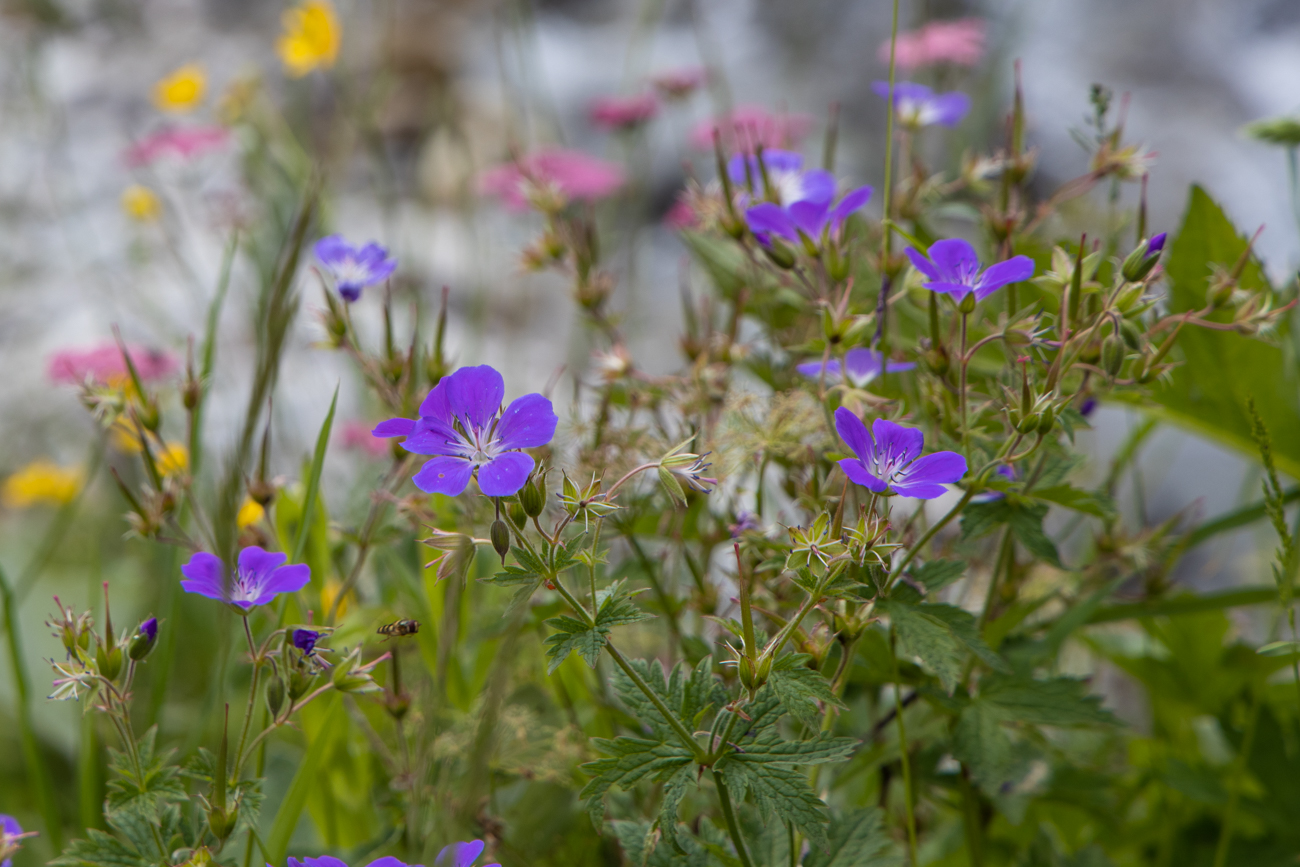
(105, 365)
(804, 205)
(569, 174)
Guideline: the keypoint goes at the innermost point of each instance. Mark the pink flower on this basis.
(679, 83)
(356, 435)
(960, 42)
(621, 113)
(748, 126)
(681, 215)
(105, 365)
(573, 174)
(181, 142)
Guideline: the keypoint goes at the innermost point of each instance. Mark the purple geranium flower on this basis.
(261, 577)
(354, 268)
(462, 425)
(888, 460)
(863, 365)
(746, 521)
(11, 833)
(330, 861)
(805, 201)
(461, 855)
(305, 640)
(918, 105)
(954, 269)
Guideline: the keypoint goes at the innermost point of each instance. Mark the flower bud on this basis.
(967, 304)
(1046, 422)
(1140, 262)
(780, 254)
(533, 495)
(517, 515)
(500, 535)
(144, 639)
(937, 360)
(261, 491)
(299, 682)
(351, 676)
(672, 486)
(191, 392)
(1029, 423)
(275, 696)
(1112, 355)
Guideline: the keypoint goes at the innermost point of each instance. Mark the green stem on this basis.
(902, 752)
(733, 827)
(1006, 554)
(965, 361)
(252, 694)
(971, 820)
(882, 330)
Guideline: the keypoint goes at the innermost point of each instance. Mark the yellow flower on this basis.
(41, 482)
(249, 513)
(172, 460)
(310, 39)
(181, 91)
(140, 203)
(329, 592)
(125, 436)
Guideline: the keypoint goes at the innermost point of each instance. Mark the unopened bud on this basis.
(779, 253)
(275, 696)
(517, 515)
(533, 495)
(261, 491)
(191, 392)
(1112, 355)
(1140, 262)
(500, 535)
(672, 486)
(299, 683)
(937, 360)
(144, 639)
(1029, 423)
(1046, 422)
(967, 304)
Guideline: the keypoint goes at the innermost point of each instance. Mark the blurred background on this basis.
(427, 94)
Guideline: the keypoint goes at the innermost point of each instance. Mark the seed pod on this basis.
(533, 495)
(672, 486)
(500, 535)
(1046, 422)
(1112, 355)
(300, 681)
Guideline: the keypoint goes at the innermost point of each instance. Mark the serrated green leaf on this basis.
(938, 574)
(573, 635)
(802, 690)
(780, 790)
(986, 749)
(100, 849)
(630, 761)
(1057, 701)
(939, 636)
(857, 838)
(616, 608)
(674, 790)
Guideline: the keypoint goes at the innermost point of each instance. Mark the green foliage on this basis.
(940, 636)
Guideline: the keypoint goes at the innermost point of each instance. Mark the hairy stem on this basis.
(729, 814)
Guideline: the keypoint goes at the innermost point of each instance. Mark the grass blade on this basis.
(313, 481)
(304, 781)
